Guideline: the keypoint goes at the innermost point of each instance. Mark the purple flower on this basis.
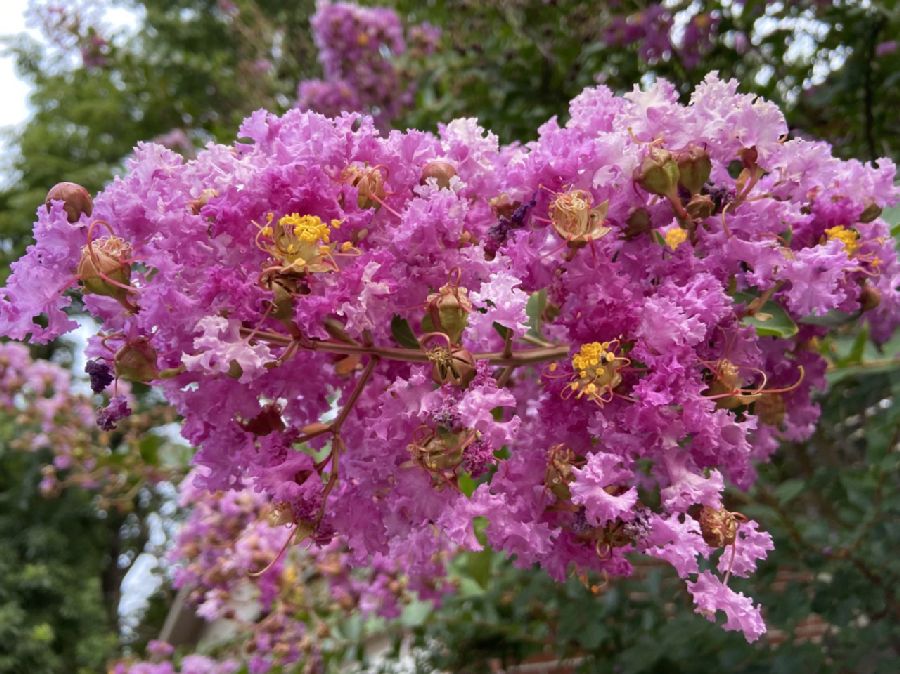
(100, 373)
(116, 410)
(886, 48)
(712, 595)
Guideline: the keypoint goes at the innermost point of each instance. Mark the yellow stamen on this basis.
(675, 237)
(846, 236)
(597, 371)
(298, 242)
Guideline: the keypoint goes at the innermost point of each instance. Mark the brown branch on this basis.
(515, 358)
(354, 395)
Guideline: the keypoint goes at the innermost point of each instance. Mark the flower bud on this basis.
(235, 371)
(102, 261)
(441, 171)
(449, 310)
(658, 173)
(136, 361)
(700, 207)
(871, 212)
(869, 298)
(694, 167)
(76, 200)
(280, 514)
(456, 366)
(637, 223)
(369, 184)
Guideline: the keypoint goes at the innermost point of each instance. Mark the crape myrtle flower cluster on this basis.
(360, 49)
(190, 664)
(227, 554)
(42, 403)
(73, 26)
(568, 347)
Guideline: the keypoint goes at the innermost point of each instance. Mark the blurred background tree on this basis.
(188, 71)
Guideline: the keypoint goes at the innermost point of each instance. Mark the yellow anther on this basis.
(846, 236)
(297, 242)
(597, 368)
(675, 237)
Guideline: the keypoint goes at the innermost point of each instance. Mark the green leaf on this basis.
(857, 349)
(415, 614)
(658, 238)
(477, 566)
(403, 334)
(832, 319)
(788, 490)
(503, 331)
(534, 309)
(466, 484)
(149, 449)
(771, 320)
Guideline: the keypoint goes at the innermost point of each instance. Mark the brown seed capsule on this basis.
(700, 206)
(369, 184)
(869, 298)
(284, 288)
(719, 527)
(136, 361)
(560, 462)
(280, 514)
(440, 451)
(503, 206)
(637, 223)
(196, 205)
(104, 263)
(726, 385)
(76, 200)
(452, 366)
(871, 212)
(441, 171)
(658, 173)
(694, 167)
(449, 310)
(576, 219)
(770, 409)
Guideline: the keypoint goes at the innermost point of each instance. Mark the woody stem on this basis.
(514, 359)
